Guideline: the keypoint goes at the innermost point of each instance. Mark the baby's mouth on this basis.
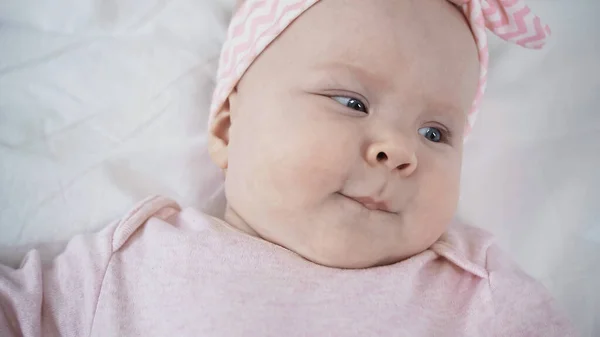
(371, 203)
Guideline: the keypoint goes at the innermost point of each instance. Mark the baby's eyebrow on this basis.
(369, 81)
(445, 110)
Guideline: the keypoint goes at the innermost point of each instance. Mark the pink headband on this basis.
(258, 22)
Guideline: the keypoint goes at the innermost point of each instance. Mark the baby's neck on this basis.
(234, 220)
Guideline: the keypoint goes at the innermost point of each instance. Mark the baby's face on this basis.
(343, 141)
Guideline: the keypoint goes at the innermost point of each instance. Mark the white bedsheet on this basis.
(105, 102)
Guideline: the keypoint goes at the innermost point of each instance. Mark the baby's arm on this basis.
(522, 305)
(58, 298)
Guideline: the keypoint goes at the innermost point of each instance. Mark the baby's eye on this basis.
(351, 103)
(433, 134)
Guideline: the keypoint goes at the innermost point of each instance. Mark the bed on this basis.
(103, 103)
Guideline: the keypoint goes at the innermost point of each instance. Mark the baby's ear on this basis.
(218, 133)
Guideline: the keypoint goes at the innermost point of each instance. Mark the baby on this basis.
(339, 125)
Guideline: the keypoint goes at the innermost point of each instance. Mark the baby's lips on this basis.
(372, 204)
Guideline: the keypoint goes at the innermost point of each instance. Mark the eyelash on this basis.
(445, 134)
(362, 107)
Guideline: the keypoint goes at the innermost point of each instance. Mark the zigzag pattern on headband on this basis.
(258, 22)
(512, 21)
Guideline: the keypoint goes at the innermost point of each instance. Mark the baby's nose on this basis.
(396, 154)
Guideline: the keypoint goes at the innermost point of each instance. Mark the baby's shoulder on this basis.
(522, 305)
(157, 207)
(474, 250)
(467, 247)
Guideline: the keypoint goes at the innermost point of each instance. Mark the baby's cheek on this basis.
(440, 189)
(295, 156)
(307, 170)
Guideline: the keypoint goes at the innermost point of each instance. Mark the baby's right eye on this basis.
(351, 103)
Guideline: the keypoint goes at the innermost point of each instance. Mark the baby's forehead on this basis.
(388, 18)
(381, 34)
(381, 45)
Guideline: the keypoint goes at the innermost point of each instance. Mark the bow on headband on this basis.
(258, 22)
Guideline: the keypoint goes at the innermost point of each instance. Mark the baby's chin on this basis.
(356, 238)
(359, 249)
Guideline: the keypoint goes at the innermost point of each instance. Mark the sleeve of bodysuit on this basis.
(60, 298)
(522, 305)
(57, 298)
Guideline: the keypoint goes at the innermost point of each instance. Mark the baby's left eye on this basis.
(433, 134)
(352, 103)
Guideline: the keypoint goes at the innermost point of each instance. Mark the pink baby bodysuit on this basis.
(160, 271)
